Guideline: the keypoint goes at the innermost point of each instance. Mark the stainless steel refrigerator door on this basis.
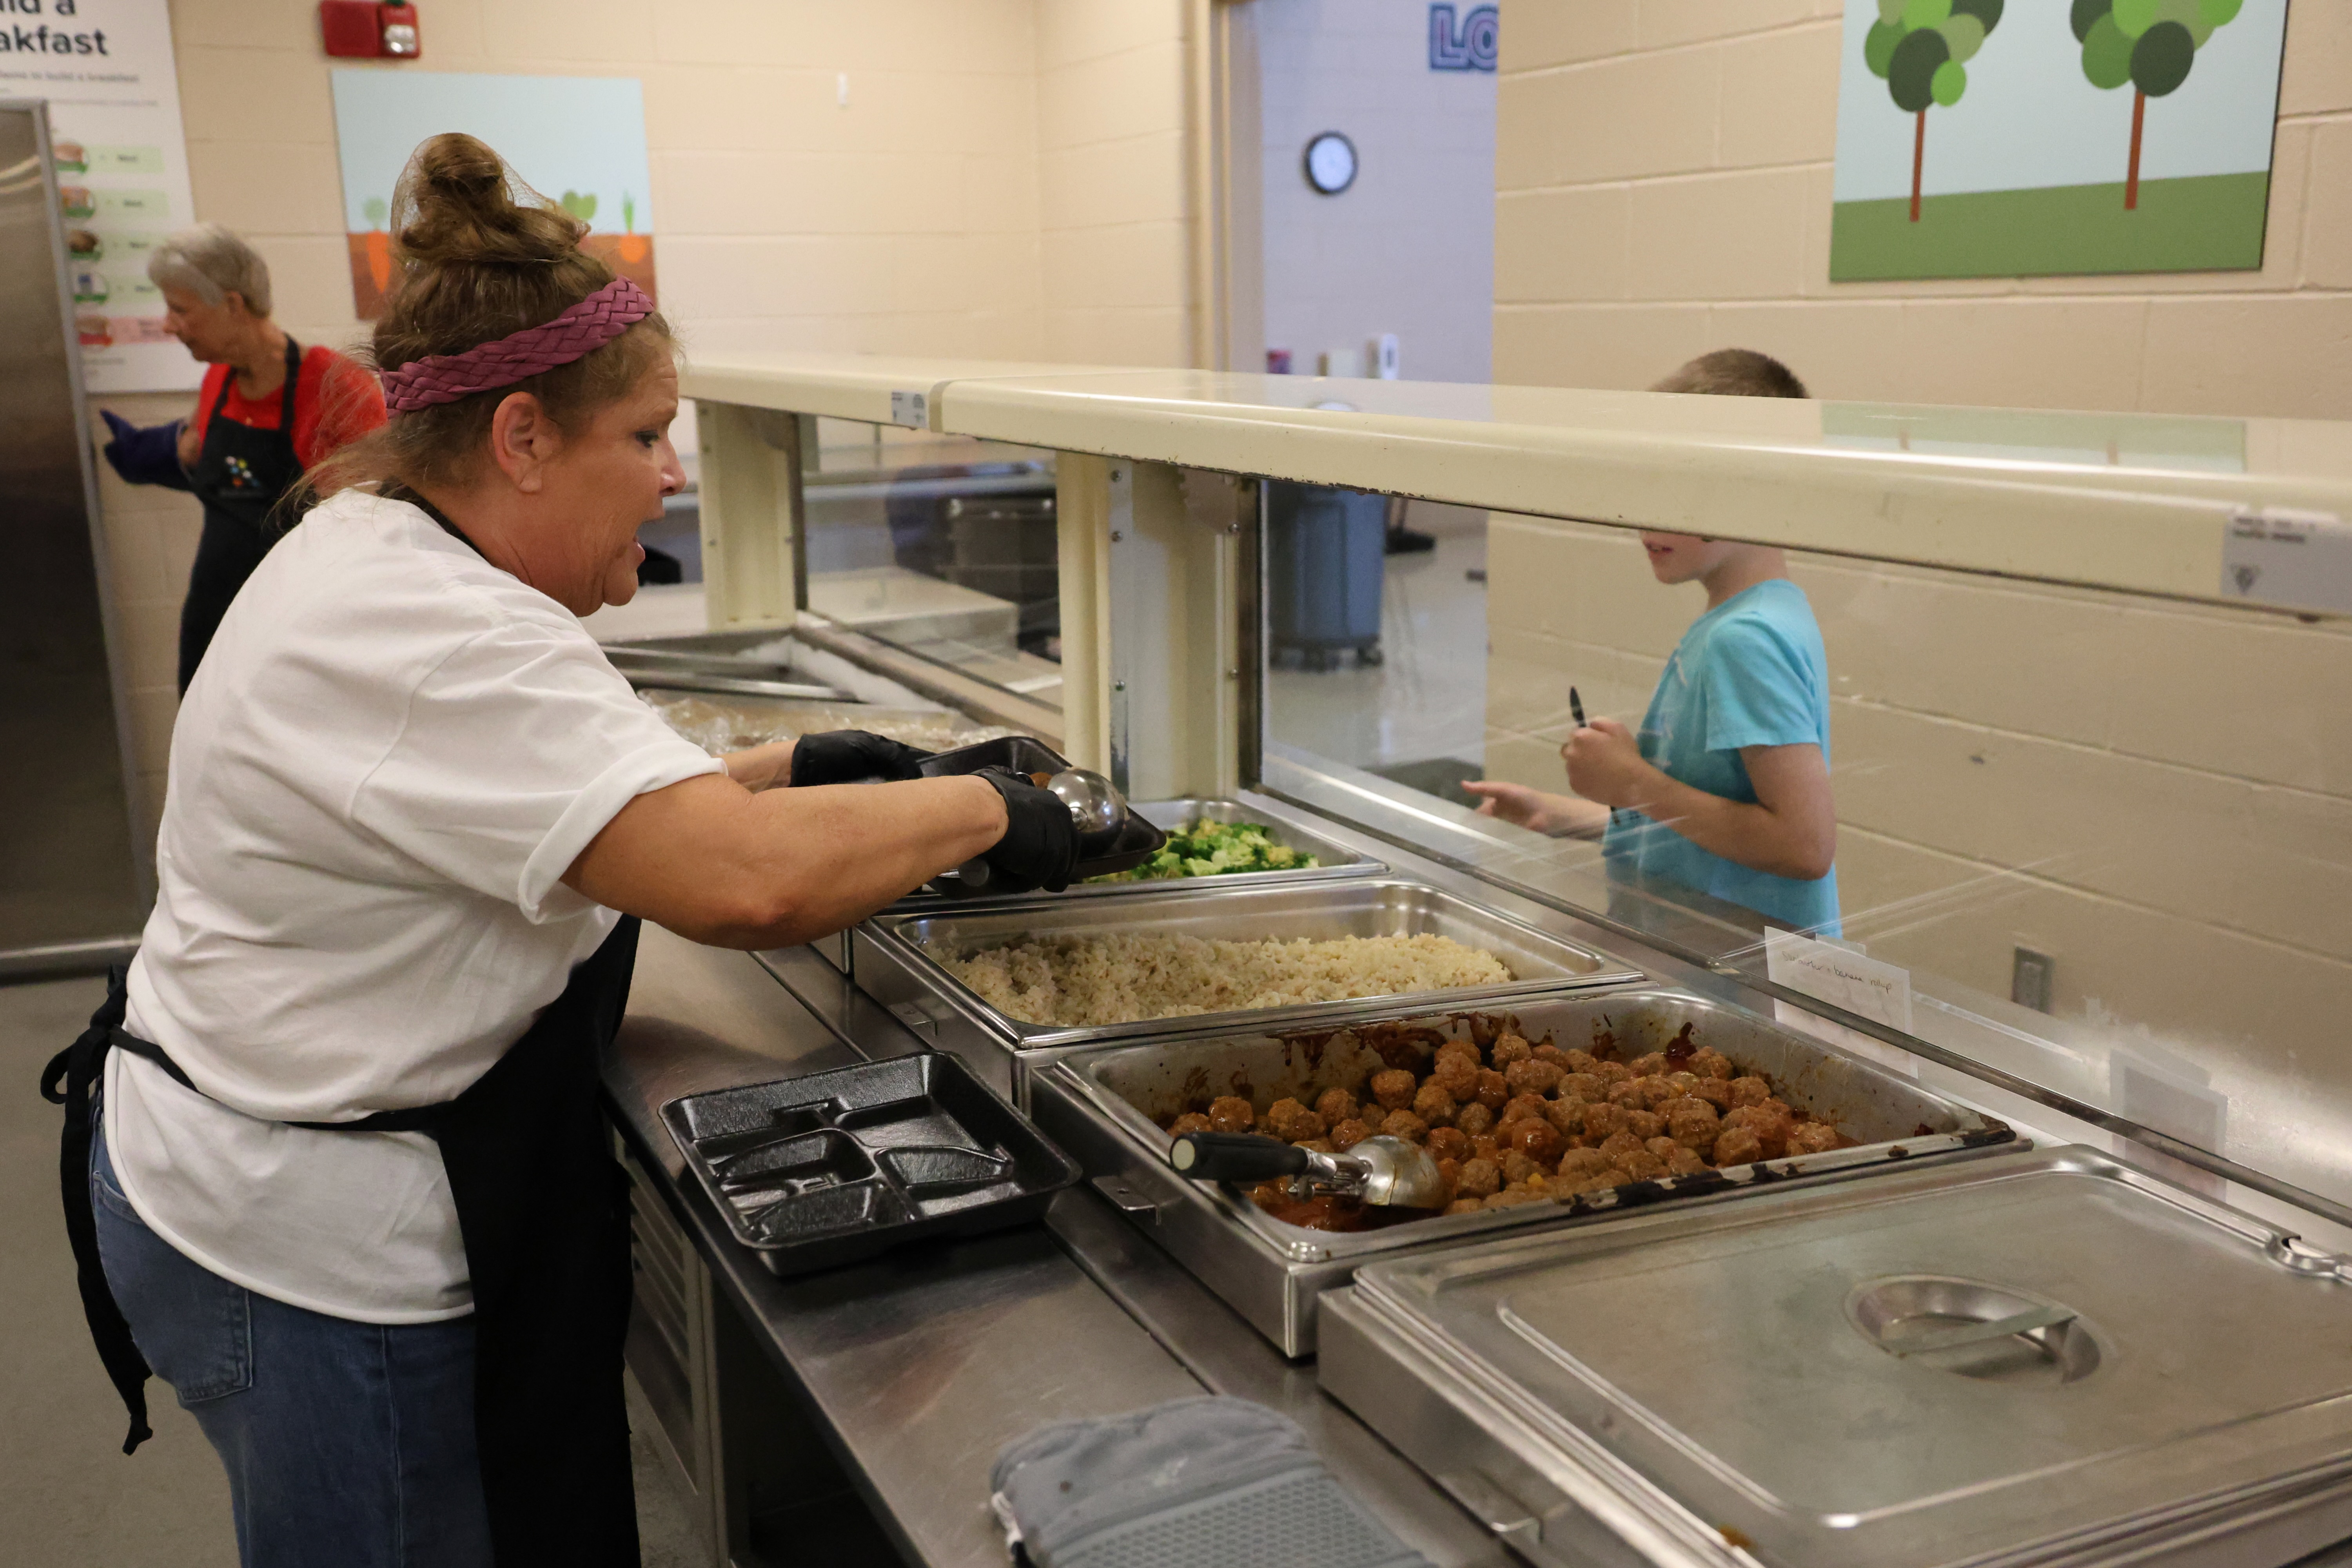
(74, 888)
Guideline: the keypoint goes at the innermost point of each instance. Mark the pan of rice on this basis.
(722, 722)
(1039, 975)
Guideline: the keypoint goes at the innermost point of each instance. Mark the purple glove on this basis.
(146, 456)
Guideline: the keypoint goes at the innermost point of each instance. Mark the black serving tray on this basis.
(1018, 752)
(816, 1172)
(1138, 841)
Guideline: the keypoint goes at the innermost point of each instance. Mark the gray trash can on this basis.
(1326, 560)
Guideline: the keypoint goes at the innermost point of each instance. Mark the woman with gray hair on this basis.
(268, 411)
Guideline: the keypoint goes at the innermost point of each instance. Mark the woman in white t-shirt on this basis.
(349, 1185)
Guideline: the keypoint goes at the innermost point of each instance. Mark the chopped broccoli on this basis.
(1211, 849)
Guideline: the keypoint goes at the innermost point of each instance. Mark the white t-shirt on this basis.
(391, 754)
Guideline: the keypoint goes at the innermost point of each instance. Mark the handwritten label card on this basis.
(1838, 974)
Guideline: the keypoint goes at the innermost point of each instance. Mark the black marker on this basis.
(1576, 708)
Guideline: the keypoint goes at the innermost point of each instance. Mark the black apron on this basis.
(240, 474)
(544, 1208)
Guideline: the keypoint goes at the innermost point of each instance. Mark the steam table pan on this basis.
(1332, 858)
(816, 1172)
(899, 951)
(1106, 1105)
(2043, 1358)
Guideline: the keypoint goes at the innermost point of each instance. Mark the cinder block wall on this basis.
(1006, 181)
(1662, 187)
(1115, 206)
(2158, 796)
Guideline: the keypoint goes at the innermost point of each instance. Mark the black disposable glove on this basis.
(145, 456)
(853, 756)
(1040, 847)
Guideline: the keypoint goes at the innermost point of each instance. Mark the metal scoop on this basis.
(1096, 808)
(1386, 1171)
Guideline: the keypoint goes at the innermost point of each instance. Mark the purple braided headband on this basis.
(578, 331)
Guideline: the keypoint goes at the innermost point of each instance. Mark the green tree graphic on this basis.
(1922, 47)
(2150, 44)
(583, 207)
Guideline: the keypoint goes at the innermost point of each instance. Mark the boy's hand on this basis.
(1605, 764)
(1511, 802)
(1557, 815)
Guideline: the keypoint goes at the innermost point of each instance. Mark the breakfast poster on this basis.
(106, 68)
(578, 140)
(1983, 140)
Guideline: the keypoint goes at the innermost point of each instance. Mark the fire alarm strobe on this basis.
(361, 30)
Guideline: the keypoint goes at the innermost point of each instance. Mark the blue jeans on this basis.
(345, 1443)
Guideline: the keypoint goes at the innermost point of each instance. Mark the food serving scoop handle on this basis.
(1382, 1170)
(1236, 1157)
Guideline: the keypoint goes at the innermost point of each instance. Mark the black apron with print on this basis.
(543, 1209)
(240, 474)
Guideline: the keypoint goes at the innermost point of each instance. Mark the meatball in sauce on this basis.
(1512, 1121)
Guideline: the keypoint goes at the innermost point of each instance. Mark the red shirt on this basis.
(336, 403)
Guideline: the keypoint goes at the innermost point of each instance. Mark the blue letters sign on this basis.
(1469, 49)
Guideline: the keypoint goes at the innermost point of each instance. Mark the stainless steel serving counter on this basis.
(908, 1374)
(914, 1370)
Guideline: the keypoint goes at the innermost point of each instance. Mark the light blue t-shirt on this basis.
(1749, 672)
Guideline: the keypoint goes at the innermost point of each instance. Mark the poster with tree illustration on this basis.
(578, 140)
(1979, 139)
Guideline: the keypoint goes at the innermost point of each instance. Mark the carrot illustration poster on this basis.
(578, 140)
(1985, 139)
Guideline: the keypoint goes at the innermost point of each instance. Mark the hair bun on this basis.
(458, 204)
(481, 257)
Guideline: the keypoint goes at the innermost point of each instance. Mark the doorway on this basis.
(1366, 251)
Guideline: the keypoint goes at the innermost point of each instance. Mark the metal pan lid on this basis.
(1941, 1367)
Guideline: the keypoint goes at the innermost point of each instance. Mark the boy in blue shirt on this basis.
(1726, 789)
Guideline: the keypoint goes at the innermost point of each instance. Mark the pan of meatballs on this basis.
(1555, 1108)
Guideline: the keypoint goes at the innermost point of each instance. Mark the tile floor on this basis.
(68, 1494)
(1427, 697)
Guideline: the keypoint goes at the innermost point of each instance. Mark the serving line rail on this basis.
(916, 1369)
(2147, 503)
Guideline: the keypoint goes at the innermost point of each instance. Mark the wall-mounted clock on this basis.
(1331, 163)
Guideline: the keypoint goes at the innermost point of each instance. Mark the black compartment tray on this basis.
(813, 1172)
